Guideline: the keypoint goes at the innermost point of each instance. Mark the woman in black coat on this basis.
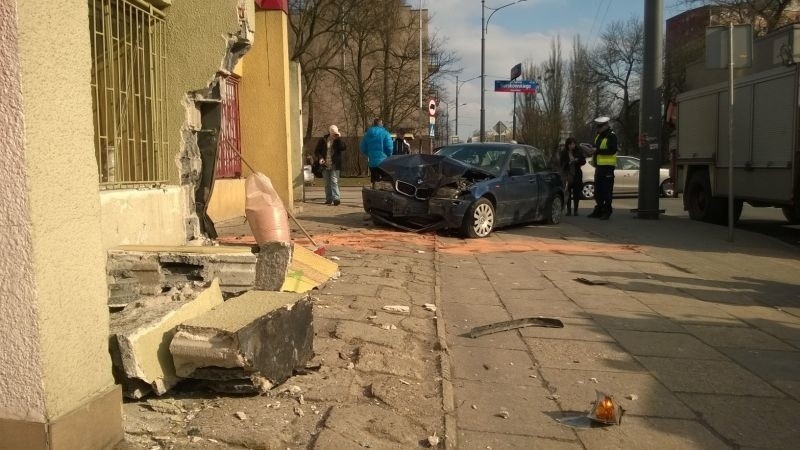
(572, 158)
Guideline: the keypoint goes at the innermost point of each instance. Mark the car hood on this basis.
(430, 171)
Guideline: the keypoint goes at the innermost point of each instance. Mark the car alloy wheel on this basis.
(556, 208)
(479, 220)
(588, 191)
(668, 188)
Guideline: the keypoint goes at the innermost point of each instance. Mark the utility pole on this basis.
(650, 111)
(483, 70)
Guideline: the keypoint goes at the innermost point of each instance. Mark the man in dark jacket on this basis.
(329, 155)
(605, 161)
(376, 145)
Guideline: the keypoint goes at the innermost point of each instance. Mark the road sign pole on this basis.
(730, 133)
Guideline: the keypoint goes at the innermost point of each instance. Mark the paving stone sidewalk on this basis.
(702, 333)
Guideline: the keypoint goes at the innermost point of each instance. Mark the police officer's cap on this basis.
(602, 120)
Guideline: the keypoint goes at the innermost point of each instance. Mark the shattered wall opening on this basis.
(200, 133)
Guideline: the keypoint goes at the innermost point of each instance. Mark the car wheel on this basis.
(555, 210)
(479, 220)
(587, 192)
(700, 203)
(668, 188)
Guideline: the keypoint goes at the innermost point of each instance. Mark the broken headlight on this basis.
(384, 186)
(447, 192)
(453, 190)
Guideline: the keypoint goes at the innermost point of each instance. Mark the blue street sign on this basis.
(523, 86)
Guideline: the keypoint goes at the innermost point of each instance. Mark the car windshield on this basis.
(488, 158)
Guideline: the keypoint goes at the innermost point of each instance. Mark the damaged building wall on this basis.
(198, 50)
(211, 44)
(55, 373)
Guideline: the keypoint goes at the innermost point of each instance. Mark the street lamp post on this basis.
(458, 88)
(484, 25)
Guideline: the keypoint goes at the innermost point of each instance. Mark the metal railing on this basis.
(229, 159)
(129, 58)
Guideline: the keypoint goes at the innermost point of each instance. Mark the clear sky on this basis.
(518, 33)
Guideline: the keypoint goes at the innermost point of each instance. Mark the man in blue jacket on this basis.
(376, 145)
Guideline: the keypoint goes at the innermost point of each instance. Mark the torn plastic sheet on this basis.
(497, 327)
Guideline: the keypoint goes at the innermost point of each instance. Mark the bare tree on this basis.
(382, 51)
(765, 15)
(617, 67)
(580, 91)
(541, 116)
(315, 42)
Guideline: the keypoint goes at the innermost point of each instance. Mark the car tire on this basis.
(555, 209)
(667, 188)
(479, 220)
(700, 203)
(587, 191)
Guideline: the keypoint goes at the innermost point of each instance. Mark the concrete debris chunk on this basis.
(241, 415)
(141, 361)
(503, 414)
(272, 265)
(299, 411)
(166, 406)
(430, 307)
(254, 338)
(397, 309)
(633, 397)
(433, 441)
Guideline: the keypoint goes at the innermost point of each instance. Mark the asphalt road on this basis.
(767, 221)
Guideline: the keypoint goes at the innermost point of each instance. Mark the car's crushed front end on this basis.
(422, 192)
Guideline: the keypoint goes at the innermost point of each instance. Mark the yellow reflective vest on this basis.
(604, 160)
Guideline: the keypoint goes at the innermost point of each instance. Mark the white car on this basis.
(308, 174)
(626, 178)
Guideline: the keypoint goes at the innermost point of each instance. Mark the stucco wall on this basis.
(227, 201)
(296, 125)
(197, 32)
(264, 104)
(146, 216)
(63, 207)
(20, 397)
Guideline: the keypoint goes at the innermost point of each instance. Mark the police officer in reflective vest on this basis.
(605, 161)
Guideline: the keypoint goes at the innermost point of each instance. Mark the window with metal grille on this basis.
(229, 159)
(128, 90)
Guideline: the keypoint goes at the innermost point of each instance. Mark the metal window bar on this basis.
(229, 159)
(128, 93)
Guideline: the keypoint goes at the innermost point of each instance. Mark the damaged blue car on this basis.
(474, 188)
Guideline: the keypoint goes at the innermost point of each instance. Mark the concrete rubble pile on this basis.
(248, 344)
(174, 322)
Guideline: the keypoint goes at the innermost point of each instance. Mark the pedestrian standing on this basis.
(572, 158)
(376, 145)
(605, 161)
(329, 155)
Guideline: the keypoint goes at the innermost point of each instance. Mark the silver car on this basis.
(626, 178)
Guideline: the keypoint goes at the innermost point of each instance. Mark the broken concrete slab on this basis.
(136, 271)
(140, 336)
(353, 332)
(272, 265)
(266, 334)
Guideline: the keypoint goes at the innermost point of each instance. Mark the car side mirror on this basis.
(516, 172)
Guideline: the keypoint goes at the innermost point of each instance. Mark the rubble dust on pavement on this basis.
(375, 378)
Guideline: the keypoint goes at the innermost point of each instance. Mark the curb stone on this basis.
(448, 397)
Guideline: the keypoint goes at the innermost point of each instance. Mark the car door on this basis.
(521, 188)
(626, 175)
